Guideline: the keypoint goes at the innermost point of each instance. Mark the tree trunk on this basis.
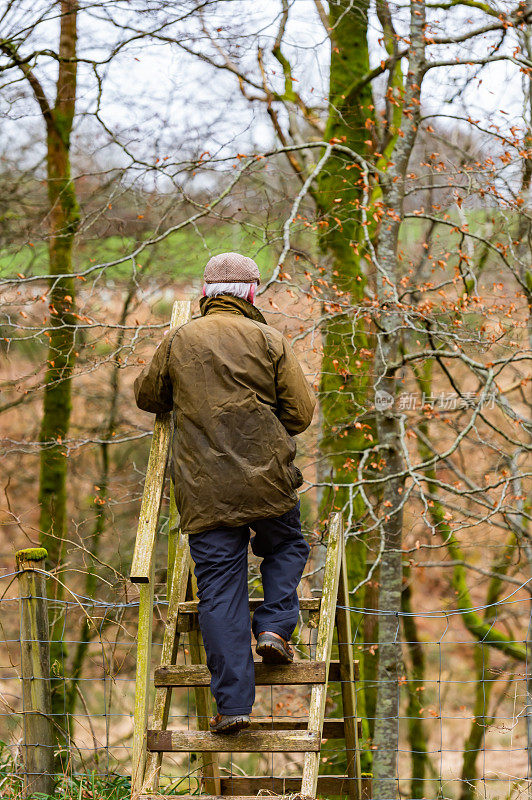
(386, 741)
(389, 324)
(415, 687)
(344, 373)
(64, 220)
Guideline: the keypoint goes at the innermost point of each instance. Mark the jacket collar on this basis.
(226, 303)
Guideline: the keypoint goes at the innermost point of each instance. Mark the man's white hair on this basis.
(236, 289)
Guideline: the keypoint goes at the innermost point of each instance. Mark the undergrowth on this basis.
(68, 787)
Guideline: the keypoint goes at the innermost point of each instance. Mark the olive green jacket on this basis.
(238, 395)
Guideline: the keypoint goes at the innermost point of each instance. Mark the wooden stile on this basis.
(264, 734)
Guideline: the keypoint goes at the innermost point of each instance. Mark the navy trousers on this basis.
(221, 568)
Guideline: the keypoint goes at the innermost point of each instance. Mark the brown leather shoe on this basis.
(225, 723)
(274, 649)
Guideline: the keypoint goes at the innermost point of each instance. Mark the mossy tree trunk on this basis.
(63, 215)
(64, 220)
(345, 373)
(346, 379)
(415, 687)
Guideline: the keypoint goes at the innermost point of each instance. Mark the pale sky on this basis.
(163, 103)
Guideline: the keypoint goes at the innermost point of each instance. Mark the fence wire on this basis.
(464, 715)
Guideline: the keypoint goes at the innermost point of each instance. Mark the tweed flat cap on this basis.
(231, 268)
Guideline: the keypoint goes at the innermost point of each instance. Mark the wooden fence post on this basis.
(38, 744)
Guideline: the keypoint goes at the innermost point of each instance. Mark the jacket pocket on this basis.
(297, 476)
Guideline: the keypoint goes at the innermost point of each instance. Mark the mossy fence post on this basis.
(38, 739)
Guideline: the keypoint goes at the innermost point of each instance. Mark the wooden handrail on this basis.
(155, 473)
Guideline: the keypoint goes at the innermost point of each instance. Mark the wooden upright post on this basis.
(347, 676)
(142, 682)
(143, 570)
(210, 765)
(331, 577)
(38, 743)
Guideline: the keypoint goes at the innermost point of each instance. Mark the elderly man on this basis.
(238, 396)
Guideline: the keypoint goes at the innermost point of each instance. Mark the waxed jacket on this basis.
(238, 395)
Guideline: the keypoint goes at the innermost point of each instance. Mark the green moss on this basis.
(345, 377)
(32, 554)
(57, 401)
(414, 686)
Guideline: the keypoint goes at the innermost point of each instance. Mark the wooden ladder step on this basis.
(244, 742)
(305, 604)
(159, 796)
(187, 618)
(297, 674)
(328, 786)
(332, 728)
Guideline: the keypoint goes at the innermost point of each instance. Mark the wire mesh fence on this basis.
(464, 715)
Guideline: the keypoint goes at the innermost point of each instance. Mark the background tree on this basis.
(63, 215)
